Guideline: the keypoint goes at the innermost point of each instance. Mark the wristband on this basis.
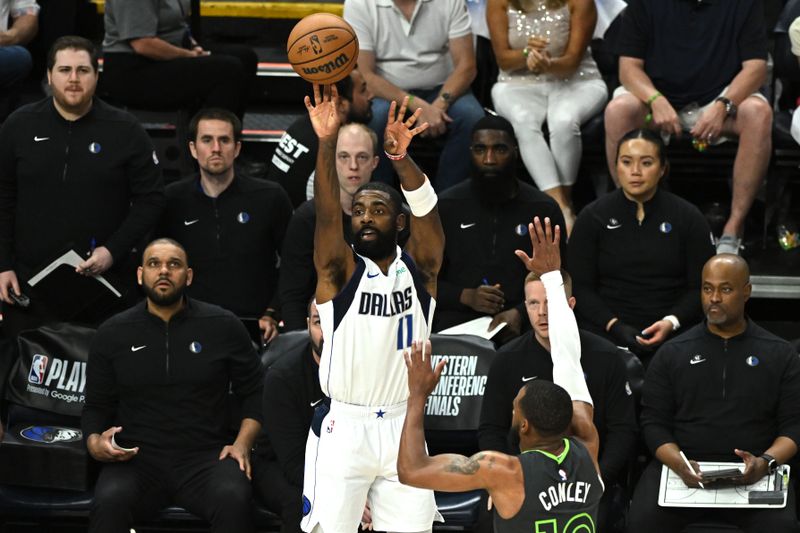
(526, 51)
(395, 157)
(410, 99)
(672, 319)
(421, 201)
(649, 117)
(653, 98)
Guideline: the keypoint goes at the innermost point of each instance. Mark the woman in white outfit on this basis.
(547, 74)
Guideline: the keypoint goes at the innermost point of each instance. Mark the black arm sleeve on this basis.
(658, 402)
(495, 418)
(298, 278)
(582, 254)
(285, 425)
(698, 250)
(620, 422)
(147, 195)
(101, 401)
(247, 374)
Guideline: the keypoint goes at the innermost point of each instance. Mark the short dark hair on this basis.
(650, 136)
(72, 42)
(495, 122)
(216, 113)
(395, 199)
(547, 407)
(165, 240)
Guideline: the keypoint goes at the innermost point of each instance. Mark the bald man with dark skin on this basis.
(725, 390)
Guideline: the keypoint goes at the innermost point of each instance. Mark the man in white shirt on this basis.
(422, 49)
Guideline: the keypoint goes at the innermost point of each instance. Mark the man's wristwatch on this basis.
(730, 107)
(447, 97)
(772, 464)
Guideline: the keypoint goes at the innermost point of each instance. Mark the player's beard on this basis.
(382, 247)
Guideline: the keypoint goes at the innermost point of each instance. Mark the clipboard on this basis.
(673, 492)
(68, 293)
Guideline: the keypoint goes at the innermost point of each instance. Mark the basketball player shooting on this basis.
(373, 301)
(554, 484)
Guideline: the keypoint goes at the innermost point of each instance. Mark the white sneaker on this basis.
(729, 244)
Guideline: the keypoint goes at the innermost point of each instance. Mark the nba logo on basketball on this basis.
(316, 45)
(38, 368)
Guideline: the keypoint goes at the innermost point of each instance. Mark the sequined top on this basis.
(552, 24)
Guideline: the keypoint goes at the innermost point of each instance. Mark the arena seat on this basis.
(453, 414)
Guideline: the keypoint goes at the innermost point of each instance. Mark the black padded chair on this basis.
(451, 421)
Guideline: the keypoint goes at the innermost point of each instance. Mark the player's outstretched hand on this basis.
(399, 132)
(546, 255)
(324, 113)
(422, 378)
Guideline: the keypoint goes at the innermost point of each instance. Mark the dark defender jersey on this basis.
(562, 493)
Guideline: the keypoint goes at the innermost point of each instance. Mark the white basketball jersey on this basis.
(366, 328)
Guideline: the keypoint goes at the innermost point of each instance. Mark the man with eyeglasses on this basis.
(485, 219)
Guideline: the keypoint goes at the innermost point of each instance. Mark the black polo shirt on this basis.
(692, 49)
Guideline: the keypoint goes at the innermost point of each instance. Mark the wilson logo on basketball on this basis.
(338, 63)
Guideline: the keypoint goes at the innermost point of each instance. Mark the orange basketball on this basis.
(322, 48)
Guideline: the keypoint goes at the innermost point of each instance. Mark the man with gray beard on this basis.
(725, 390)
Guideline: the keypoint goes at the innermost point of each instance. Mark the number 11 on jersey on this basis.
(405, 332)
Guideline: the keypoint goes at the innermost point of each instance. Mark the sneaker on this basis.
(729, 244)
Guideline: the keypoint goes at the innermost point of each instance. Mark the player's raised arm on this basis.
(426, 243)
(565, 344)
(332, 257)
(447, 472)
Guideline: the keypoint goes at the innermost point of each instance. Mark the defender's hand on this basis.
(422, 379)
(545, 250)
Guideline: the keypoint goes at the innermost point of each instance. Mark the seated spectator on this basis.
(528, 358)
(292, 164)
(152, 60)
(231, 225)
(15, 60)
(73, 171)
(157, 413)
(547, 74)
(726, 390)
(697, 67)
(485, 219)
(291, 395)
(636, 253)
(356, 159)
(423, 50)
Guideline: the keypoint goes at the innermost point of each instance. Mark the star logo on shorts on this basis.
(379, 413)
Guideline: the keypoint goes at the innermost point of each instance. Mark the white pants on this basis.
(565, 106)
(354, 461)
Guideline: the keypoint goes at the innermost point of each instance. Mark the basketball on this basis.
(322, 48)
